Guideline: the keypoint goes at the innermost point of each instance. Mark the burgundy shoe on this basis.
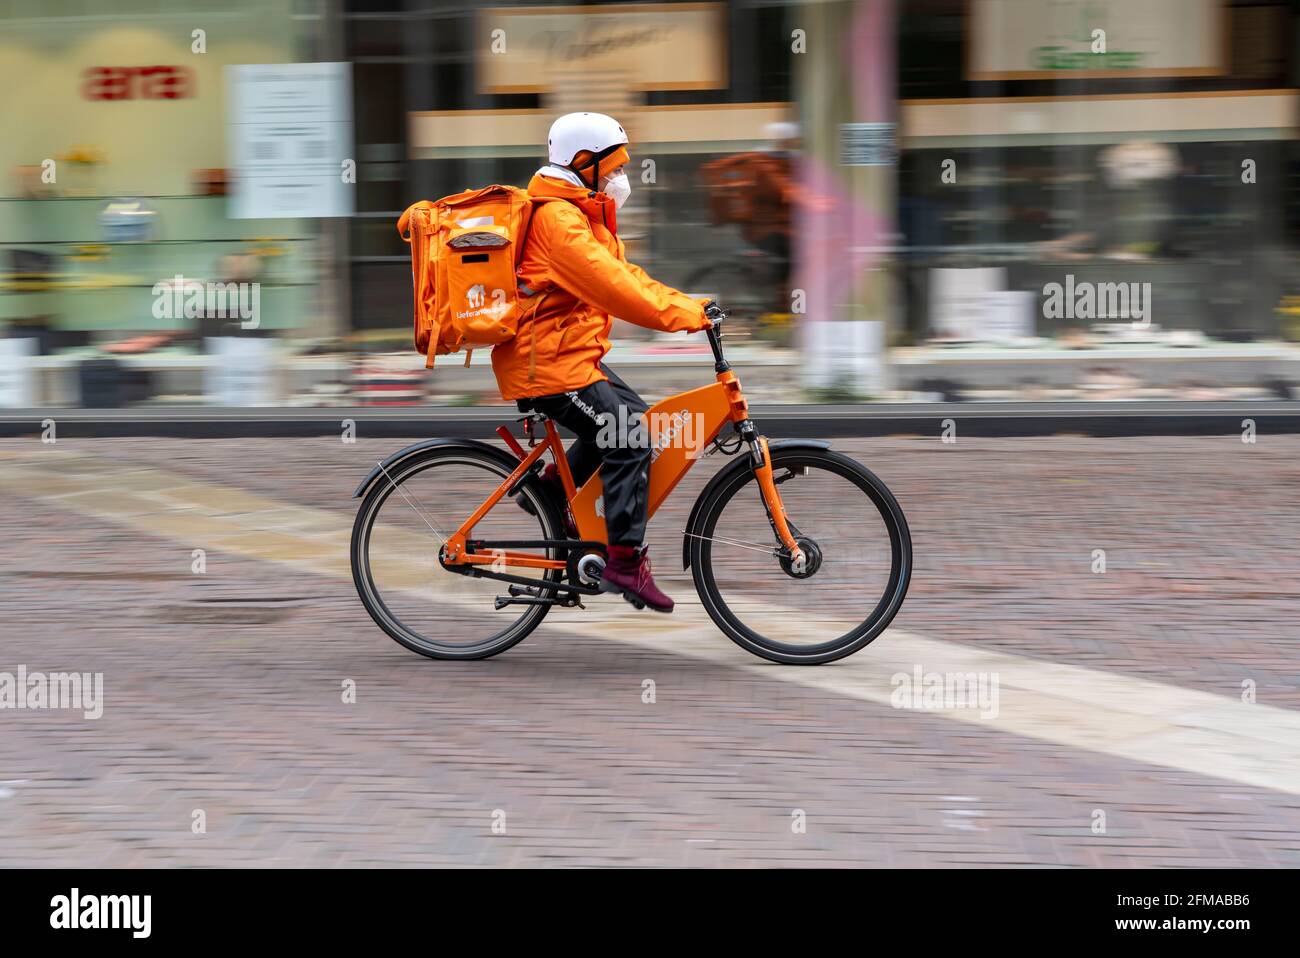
(628, 573)
(551, 482)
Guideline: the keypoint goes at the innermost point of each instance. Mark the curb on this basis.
(787, 421)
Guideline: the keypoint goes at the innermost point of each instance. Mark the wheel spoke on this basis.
(411, 502)
(425, 607)
(854, 579)
(769, 550)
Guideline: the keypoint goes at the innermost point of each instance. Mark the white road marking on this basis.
(1088, 709)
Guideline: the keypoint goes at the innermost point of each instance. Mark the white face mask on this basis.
(617, 188)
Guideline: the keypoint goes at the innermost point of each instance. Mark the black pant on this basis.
(613, 441)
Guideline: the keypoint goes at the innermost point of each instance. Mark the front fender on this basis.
(415, 449)
(742, 461)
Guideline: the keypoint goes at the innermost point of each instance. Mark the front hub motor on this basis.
(812, 560)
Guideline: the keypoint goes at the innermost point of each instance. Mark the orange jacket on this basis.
(575, 260)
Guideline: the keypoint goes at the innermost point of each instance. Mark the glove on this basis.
(705, 322)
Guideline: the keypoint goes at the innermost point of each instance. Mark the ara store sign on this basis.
(289, 140)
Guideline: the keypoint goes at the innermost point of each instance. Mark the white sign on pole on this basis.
(289, 140)
(17, 384)
(868, 144)
(239, 372)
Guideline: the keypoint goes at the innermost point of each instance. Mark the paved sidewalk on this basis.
(222, 690)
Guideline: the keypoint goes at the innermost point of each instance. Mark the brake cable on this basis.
(726, 450)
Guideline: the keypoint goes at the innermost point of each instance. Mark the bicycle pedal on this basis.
(502, 601)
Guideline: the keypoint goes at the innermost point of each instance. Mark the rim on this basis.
(880, 613)
(373, 596)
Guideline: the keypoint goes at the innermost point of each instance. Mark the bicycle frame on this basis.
(680, 429)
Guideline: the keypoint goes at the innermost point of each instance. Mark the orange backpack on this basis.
(465, 249)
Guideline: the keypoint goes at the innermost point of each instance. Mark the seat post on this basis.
(561, 460)
(530, 422)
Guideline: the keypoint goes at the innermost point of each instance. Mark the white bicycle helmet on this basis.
(575, 132)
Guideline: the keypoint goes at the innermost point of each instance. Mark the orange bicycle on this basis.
(799, 554)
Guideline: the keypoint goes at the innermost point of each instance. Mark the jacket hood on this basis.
(598, 207)
(561, 173)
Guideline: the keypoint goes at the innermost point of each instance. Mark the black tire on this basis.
(547, 518)
(700, 546)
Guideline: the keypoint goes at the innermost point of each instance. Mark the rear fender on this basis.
(397, 458)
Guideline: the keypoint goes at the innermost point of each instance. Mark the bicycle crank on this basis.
(527, 595)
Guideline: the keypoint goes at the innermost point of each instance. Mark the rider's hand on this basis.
(706, 323)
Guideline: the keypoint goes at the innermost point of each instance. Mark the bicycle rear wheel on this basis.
(404, 520)
(857, 544)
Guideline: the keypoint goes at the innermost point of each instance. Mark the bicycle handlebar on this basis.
(716, 315)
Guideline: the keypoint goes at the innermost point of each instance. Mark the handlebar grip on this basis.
(713, 312)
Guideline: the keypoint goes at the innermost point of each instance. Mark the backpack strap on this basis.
(533, 203)
(532, 337)
(404, 221)
(528, 228)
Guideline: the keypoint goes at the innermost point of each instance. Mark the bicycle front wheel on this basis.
(858, 559)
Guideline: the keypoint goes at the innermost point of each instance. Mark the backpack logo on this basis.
(464, 251)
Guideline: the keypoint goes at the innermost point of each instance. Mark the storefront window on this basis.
(1066, 203)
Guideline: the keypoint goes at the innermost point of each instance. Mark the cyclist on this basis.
(759, 191)
(576, 278)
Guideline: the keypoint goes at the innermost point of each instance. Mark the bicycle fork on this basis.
(776, 516)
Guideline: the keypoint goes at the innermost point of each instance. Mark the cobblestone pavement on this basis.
(223, 689)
